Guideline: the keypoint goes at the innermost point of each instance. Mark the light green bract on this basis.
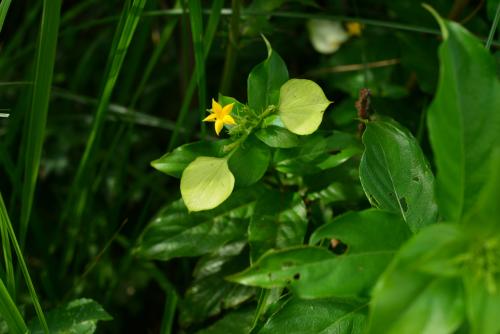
(302, 104)
(205, 183)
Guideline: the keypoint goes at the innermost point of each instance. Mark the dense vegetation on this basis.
(249, 166)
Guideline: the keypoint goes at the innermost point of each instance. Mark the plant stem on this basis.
(493, 28)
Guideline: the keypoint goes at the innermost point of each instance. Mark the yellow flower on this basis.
(354, 28)
(220, 116)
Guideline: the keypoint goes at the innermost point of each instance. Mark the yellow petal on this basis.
(227, 109)
(354, 28)
(218, 126)
(210, 118)
(228, 119)
(216, 107)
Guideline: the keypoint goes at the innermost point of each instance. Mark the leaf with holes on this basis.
(395, 174)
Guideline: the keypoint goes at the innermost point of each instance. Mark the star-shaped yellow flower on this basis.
(220, 116)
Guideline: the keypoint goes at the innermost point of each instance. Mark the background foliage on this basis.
(97, 90)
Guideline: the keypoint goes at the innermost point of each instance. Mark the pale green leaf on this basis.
(302, 104)
(205, 183)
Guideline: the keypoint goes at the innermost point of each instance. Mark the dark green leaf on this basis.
(210, 293)
(463, 123)
(323, 316)
(279, 221)
(174, 232)
(77, 317)
(275, 136)
(265, 80)
(359, 230)
(316, 153)
(395, 174)
(249, 163)
(421, 291)
(173, 163)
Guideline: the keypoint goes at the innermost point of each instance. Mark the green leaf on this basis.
(313, 272)
(79, 316)
(174, 232)
(250, 161)
(316, 153)
(173, 163)
(462, 119)
(265, 80)
(395, 174)
(206, 183)
(421, 291)
(275, 136)
(10, 313)
(317, 316)
(302, 104)
(279, 221)
(483, 306)
(357, 231)
(210, 293)
(236, 322)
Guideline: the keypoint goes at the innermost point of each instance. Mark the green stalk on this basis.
(37, 117)
(24, 269)
(493, 28)
(232, 49)
(212, 24)
(7, 256)
(80, 186)
(196, 20)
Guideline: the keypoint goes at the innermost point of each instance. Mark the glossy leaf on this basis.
(206, 183)
(210, 293)
(421, 291)
(173, 163)
(313, 272)
(302, 104)
(323, 316)
(250, 161)
(395, 174)
(79, 317)
(357, 231)
(174, 232)
(275, 136)
(265, 80)
(279, 221)
(462, 119)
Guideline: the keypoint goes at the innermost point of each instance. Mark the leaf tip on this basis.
(438, 18)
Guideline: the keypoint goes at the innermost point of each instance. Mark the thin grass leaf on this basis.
(37, 116)
(7, 256)
(196, 20)
(493, 28)
(80, 186)
(212, 24)
(10, 313)
(4, 8)
(24, 269)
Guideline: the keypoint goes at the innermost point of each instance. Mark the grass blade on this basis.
(4, 8)
(7, 256)
(212, 24)
(10, 313)
(493, 28)
(196, 20)
(24, 269)
(37, 117)
(80, 187)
